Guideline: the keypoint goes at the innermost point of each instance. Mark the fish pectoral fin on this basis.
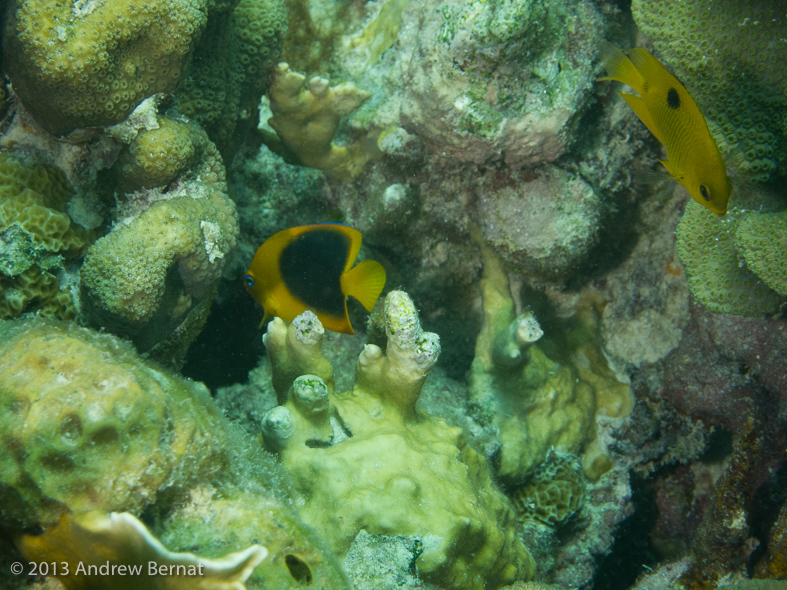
(640, 108)
(265, 317)
(365, 282)
(671, 170)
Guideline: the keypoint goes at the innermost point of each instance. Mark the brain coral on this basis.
(87, 424)
(731, 56)
(93, 62)
(36, 237)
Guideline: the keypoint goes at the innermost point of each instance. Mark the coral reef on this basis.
(716, 51)
(37, 239)
(87, 425)
(431, 483)
(95, 62)
(80, 546)
(306, 117)
(152, 277)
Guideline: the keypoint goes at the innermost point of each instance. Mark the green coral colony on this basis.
(148, 148)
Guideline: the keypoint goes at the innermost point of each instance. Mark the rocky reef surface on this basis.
(576, 376)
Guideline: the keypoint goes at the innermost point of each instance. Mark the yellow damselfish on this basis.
(311, 267)
(667, 109)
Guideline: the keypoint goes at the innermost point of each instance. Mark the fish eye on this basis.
(705, 192)
(249, 280)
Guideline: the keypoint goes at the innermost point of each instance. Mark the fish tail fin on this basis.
(619, 67)
(365, 282)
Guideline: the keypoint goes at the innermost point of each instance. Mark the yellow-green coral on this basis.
(731, 55)
(89, 63)
(88, 425)
(152, 277)
(306, 117)
(156, 156)
(36, 237)
(231, 69)
(716, 258)
(538, 404)
(385, 467)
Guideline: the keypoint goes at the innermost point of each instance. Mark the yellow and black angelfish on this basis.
(667, 109)
(311, 267)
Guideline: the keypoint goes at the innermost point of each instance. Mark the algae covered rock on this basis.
(86, 424)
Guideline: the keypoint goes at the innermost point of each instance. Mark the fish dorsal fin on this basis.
(648, 66)
(638, 106)
(365, 282)
(619, 67)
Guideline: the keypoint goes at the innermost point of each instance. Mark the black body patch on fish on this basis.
(673, 100)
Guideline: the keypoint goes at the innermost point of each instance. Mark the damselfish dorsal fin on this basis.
(365, 282)
(619, 67)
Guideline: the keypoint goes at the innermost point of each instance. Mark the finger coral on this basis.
(306, 117)
(387, 468)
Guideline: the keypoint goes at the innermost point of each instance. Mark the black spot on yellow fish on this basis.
(311, 266)
(704, 192)
(673, 100)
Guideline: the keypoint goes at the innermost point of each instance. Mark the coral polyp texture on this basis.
(152, 278)
(88, 425)
(744, 272)
(94, 62)
(717, 51)
(231, 69)
(37, 239)
(384, 466)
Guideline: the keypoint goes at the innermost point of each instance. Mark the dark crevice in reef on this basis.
(632, 552)
(229, 345)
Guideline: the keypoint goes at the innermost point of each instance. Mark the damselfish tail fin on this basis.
(365, 282)
(619, 67)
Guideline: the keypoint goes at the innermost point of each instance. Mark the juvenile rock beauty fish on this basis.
(667, 109)
(311, 267)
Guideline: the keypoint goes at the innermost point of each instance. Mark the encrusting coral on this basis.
(430, 483)
(744, 272)
(717, 51)
(37, 238)
(306, 116)
(90, 547)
